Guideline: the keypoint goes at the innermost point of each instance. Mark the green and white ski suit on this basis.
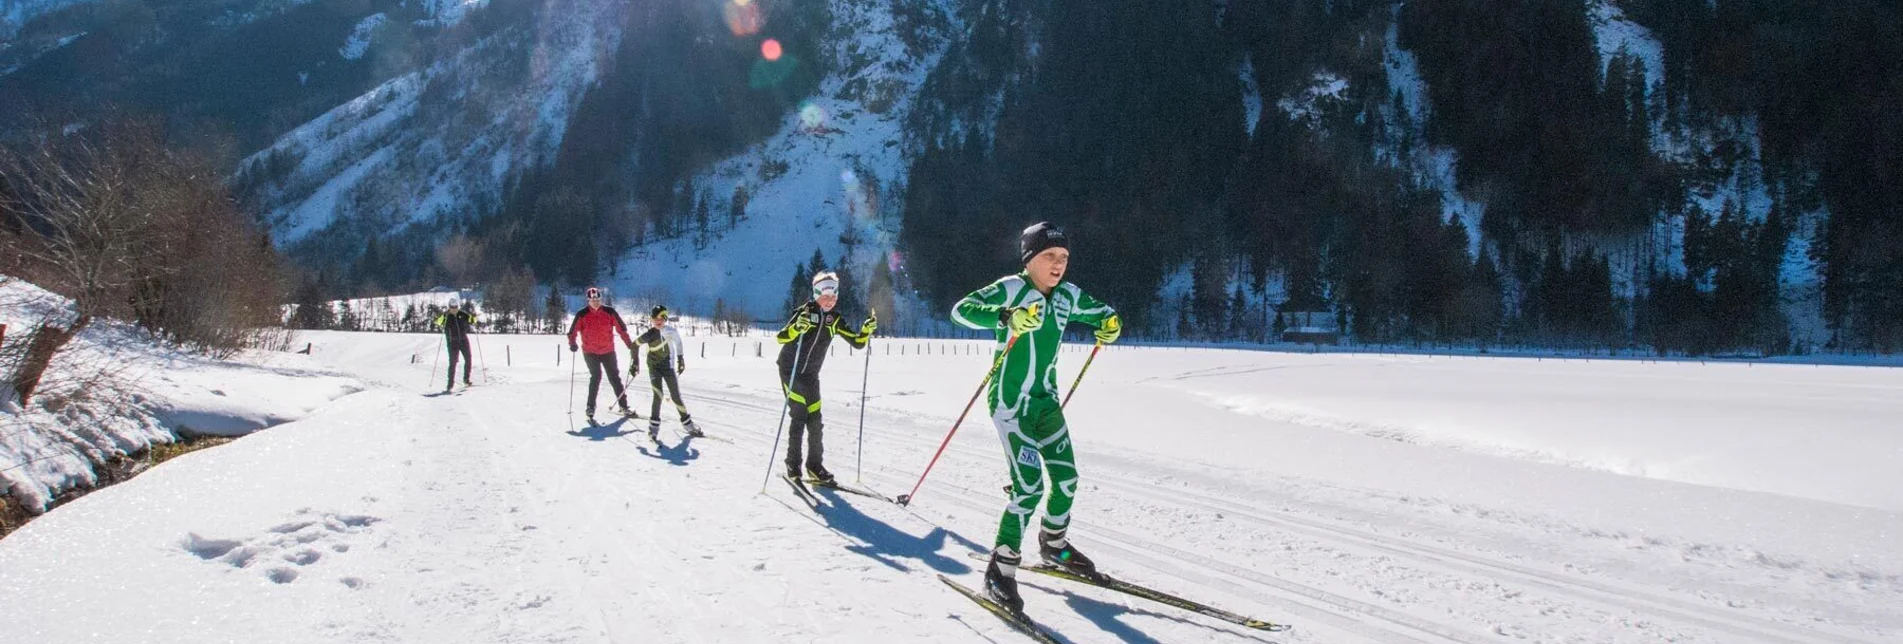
(1023, 397)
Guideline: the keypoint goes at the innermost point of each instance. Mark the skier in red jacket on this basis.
(597, 326)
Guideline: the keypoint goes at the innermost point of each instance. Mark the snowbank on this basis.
(113, 392)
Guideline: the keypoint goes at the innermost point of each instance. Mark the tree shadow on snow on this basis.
(679, 454)
(885, 544)
(600, 433)
(1108, 616)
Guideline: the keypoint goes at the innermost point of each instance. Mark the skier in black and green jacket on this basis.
(666, 361)
(456, 325)
(803, 344)
(1034, 305)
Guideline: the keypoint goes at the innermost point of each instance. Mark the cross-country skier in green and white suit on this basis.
(1024, 403)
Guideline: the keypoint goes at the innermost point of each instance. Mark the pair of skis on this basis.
(804, 486)
(1023, 624)
(626, 414)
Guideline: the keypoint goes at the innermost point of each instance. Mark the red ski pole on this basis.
(1080, 374)
(906, 499)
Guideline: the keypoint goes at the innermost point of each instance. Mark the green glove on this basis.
(802, 324)
(1024, 320)
(1111, 328)
(872, 324)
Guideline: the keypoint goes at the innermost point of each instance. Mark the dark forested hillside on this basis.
(1621, 206)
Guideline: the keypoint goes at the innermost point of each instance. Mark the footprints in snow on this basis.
(284, 550)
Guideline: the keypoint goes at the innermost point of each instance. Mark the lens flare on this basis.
(861, 205)
(812, 116)
(743, 17)
(770, 49)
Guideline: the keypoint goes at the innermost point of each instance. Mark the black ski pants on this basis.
(458, 347)
(802, 407)
(597, 363)
(660, 377)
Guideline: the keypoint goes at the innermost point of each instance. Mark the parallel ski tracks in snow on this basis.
(1338, 611)
(1323, 605)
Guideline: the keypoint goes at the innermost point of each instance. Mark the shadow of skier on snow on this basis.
(885, 544)
(1108, 616)
(677, 455)
(599, 433)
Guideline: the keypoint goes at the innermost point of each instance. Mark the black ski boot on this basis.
(654, 430)
(793, 471)
(1058, 551)
(820, 474)
(1001, 580)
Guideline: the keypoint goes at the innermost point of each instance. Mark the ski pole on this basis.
(432, 366)
(779, 427)
(864, 380)
(906, 499)
(1080, 375)
(485, 361)
(571, 389)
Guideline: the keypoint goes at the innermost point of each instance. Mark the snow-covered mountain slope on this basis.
(1360, 498)
(832, 173)
(114, 392)
(15, 13)
(432, 144)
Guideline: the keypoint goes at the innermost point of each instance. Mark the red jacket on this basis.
(597, 329)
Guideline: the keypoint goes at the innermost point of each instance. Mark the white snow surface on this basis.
(1434, 165)
(1614, 32)
(1307, 104)
(1251, 95)
(113, 392)
(1361, 498)
(360, 37)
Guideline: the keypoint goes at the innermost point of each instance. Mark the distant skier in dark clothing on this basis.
(804, 341)
(456, 325)
(666, 360)
(597, 325)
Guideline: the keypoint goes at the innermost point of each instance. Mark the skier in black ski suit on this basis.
(456, 324)
(666, 361)
(805, 341)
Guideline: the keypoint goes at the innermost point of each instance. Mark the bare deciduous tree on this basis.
(129, 228)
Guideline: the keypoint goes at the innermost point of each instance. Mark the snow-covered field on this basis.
(1360, 498)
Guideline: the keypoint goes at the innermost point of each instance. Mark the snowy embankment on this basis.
(1361, 498)
(114, 392)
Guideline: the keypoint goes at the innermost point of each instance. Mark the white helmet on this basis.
(825, 283)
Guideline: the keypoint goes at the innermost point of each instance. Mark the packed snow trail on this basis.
(485, 515)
